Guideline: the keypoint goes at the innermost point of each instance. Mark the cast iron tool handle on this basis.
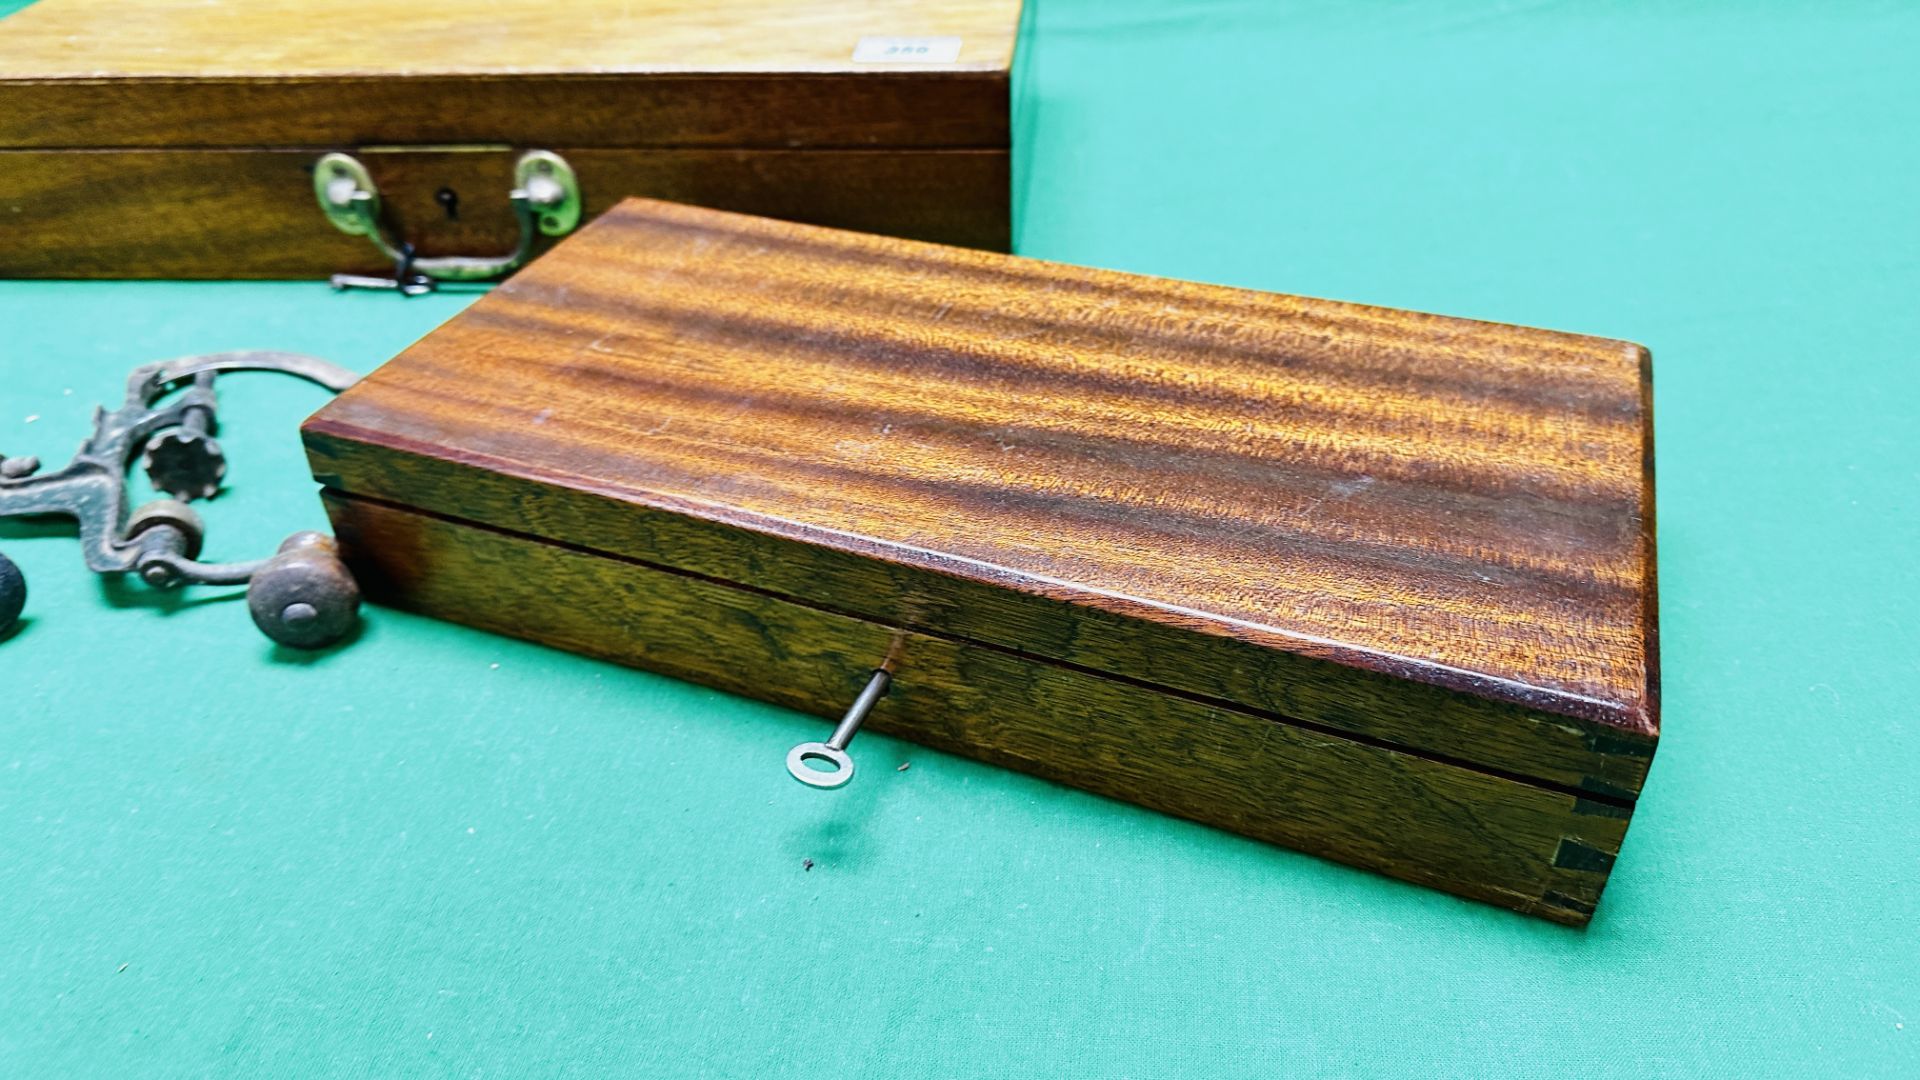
(302, 597)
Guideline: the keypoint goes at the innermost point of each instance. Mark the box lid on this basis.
(591, 73)
(1431, 533)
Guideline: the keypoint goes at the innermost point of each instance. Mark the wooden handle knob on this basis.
(304, 597)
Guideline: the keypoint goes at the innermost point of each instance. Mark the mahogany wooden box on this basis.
(1372, 584)
(178, 138)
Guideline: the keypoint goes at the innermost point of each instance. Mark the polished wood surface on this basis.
(1431, 533)
(171, 138)
(733, 73)
(251, 213)
(53, 39)
(1489, 837)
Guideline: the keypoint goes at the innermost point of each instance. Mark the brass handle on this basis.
(545, 200)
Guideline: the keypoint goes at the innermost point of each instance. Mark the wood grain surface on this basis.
(251, 213)
(291, 38)
(170, 138)
(1428, 532)
(1492, 838)
(609, 73)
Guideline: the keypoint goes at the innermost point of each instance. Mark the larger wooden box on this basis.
(1373, 584)
(177, 138)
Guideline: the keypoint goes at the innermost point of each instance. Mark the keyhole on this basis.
(449, 201)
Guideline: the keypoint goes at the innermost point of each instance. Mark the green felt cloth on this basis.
(441, 853)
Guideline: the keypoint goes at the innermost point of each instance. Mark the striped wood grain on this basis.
(1373, 584)
(1428, 531)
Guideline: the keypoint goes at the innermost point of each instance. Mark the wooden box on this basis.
(1372, 584)
(178, 138)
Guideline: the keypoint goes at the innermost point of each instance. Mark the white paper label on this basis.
(907, 50)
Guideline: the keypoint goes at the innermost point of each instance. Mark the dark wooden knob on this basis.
(13, 594)
(304, 597)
